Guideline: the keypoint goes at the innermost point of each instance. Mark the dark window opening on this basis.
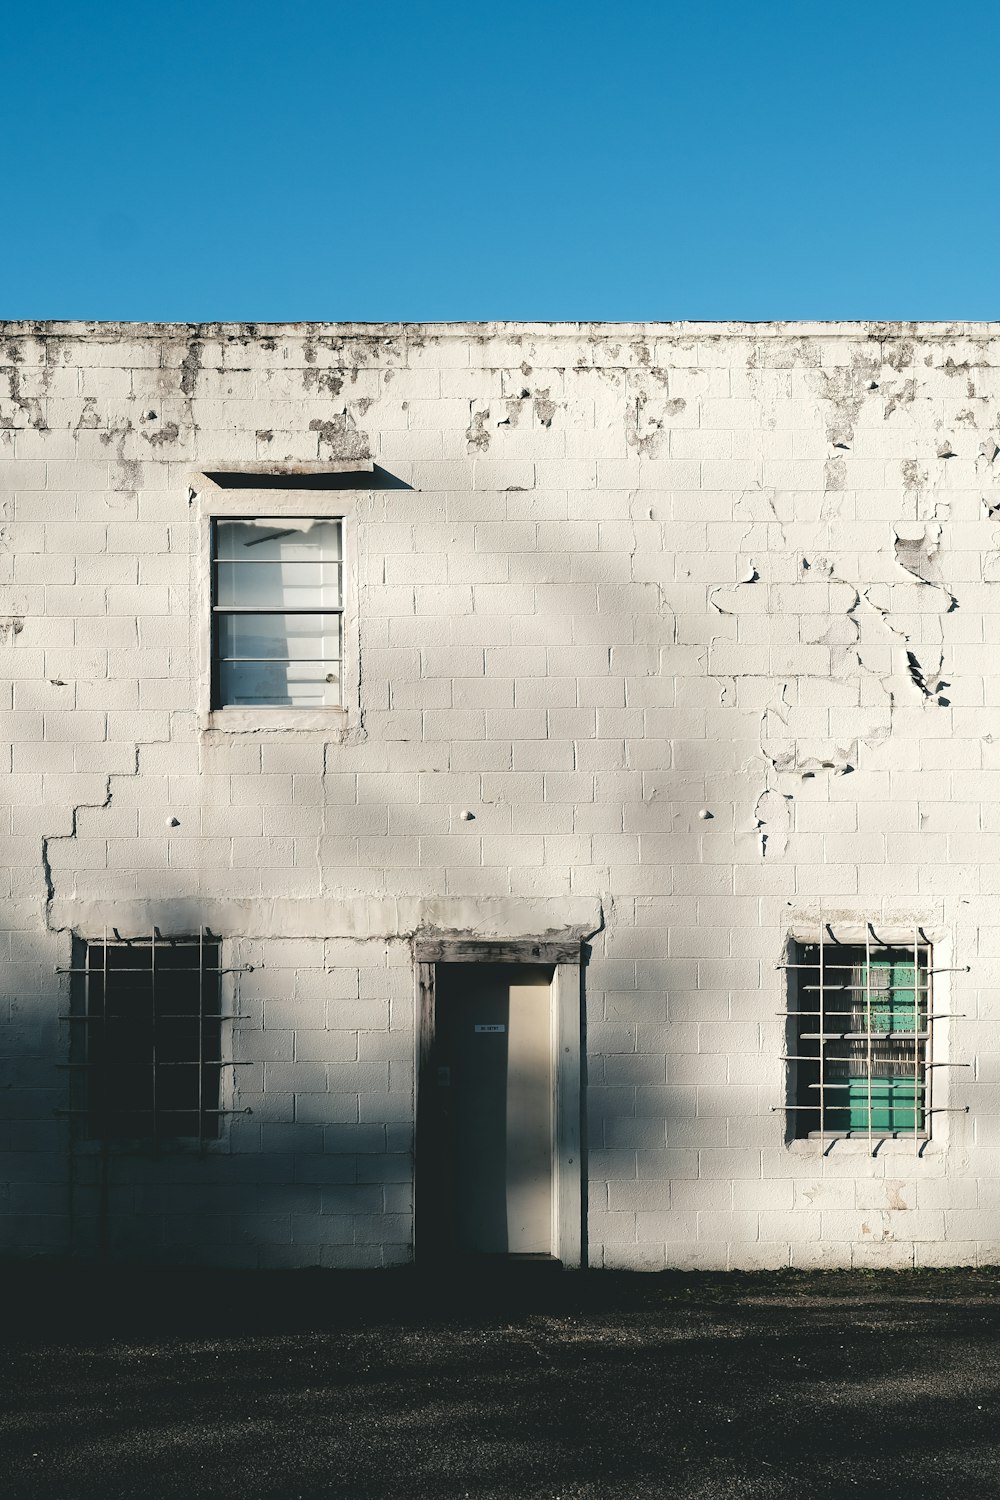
(859, 1044)
(153, 1039)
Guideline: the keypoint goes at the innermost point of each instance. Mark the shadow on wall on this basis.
(336, 1206)
(286, 1184)
(271, 1191)
(375, 478)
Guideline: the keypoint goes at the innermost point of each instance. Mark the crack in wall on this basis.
(841, 392)
(48, 840)
(773, 815)
(918, 552)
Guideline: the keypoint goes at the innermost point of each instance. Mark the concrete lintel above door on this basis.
(541, 950)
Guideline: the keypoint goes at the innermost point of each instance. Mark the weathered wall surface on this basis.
(639, 574)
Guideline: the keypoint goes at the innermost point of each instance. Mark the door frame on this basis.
(566, 1036)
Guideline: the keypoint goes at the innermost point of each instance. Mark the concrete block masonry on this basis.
(673, 642)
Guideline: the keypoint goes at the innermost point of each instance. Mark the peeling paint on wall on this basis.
(696, 622)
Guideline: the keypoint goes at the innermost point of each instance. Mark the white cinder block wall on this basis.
(638, 573)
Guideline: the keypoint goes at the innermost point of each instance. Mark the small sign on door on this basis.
(490, 1030)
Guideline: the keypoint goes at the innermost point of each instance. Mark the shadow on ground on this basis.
(542, 1384)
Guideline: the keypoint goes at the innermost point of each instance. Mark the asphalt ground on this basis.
(512, 1387)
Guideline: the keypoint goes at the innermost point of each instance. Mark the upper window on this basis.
(859, 1057)
(150, 1048)
(277, 612)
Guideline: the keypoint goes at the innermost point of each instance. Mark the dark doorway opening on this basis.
(485, 1156)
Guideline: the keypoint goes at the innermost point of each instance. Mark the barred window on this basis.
(152, 1039)
(860, 1023)
(277, 612)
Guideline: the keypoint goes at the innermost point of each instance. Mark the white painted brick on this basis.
(887, 1256)
(739, 1224)
(950, 1253)
(541, 644)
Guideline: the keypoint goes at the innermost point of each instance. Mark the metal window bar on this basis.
(822, 1030)
(201, 1032)
(152, 978)
(139, 1038)
(143, 969)
(245, 1110)
(104, 997)
(859, 1071)
(916, 1047)
(868, 1029)
(851, 1035)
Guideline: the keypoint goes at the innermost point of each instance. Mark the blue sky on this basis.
(236, 159)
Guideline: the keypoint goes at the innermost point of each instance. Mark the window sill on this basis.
(174, 1145)
(276, 720)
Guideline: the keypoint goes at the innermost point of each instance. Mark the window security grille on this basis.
(150, 1053)
(862, 1017)
(277, 612)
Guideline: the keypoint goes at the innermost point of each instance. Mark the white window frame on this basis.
(944, 1121)
(212, 502)
(234, 610)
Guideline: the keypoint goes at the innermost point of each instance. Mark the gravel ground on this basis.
(532, 1385)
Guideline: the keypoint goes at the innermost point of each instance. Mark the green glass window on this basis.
(860, 1050)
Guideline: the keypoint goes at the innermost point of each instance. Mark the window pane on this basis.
(892, 1101)
(277, 539)
(273, 585)
(279, 637)
(279, 564)
(280, 684)
(861, 1052)
(153, 1040)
